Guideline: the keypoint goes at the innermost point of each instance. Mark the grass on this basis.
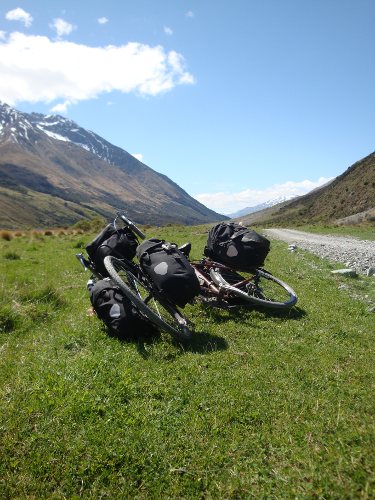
(259, 403)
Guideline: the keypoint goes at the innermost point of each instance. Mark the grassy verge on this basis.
(259, 404)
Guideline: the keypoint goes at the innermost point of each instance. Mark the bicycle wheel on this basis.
(261, 288)
(137, 288)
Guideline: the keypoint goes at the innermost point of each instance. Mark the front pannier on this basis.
(169, 270)
(117, 312)
(236, 245)
(120, 243)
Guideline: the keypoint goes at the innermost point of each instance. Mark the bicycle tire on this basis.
(164, 315)
(279, 294)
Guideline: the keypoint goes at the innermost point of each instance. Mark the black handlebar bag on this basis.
(236, 245)
(169, 270)
(120, 243)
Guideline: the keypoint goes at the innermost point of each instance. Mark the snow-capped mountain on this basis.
(57, 172)
(261, 206)
(23, 127)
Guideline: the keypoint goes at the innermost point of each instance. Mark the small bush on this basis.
(38, 235)
(6, 235)
(48, 233)
(9, 319)
(86, 225)
(12, 256)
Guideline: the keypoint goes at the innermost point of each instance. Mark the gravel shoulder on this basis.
(351, 252)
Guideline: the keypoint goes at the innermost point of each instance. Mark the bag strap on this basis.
(239, 233)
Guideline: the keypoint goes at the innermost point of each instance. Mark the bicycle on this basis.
(140, 290)
(224, 286)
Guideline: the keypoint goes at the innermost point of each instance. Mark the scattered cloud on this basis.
(139, 156)
(102, 20)
(20, 15)
(227, 203)
(61, 107)
(61, 27)
(168, 31)
(189, 13)
(2, 35)
(37, 69)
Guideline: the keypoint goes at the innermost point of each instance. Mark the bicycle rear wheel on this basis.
(140, 292)
(260, 288)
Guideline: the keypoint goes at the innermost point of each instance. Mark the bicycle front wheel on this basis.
(163, 314)
(262, 288)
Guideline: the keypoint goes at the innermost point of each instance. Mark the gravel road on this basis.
(352, 252)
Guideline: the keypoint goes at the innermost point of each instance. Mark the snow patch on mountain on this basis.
(260, 206)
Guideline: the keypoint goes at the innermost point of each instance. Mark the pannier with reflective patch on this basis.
(120, 243)
(117, 312)
(237, 246)
(169, 269)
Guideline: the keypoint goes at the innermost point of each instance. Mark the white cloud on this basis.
(139, 156)
(2, 35)
(226, 203)
(61, 27)
(62, 107)
(37, 69)
(102, 20)
(168, 31)
(189, 13)
(19, 15)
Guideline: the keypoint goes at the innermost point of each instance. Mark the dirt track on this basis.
(352, 252)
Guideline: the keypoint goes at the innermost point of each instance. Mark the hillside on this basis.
(350, 198)
(53, 172)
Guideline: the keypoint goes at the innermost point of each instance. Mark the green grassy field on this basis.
(259, 404)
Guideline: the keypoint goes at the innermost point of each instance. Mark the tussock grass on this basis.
(12, 256)
(259, 404)
(6, 235)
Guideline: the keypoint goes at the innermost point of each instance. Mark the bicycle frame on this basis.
(211, 290)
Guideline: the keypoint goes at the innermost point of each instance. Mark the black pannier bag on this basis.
(237, 246)
(117, 312)
(120, 243)
(169, 269)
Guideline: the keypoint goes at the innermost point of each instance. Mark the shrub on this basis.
(12, 256)
(9, 319)
(6, 235)
(95, 224)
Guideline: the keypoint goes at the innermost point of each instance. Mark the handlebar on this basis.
(130, 224)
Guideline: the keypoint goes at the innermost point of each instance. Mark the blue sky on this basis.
(238, 101)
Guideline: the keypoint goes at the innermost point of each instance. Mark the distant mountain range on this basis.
(54, 172)
(348, 199)
(261, 206)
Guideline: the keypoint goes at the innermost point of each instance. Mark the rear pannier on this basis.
(169, 270)
(117, 312)
(120, 243)
(237, 246)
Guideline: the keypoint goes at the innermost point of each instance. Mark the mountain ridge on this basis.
(260, 206)
(44, 156)
(349, 198)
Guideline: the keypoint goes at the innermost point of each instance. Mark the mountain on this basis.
(54, 172)
(349, 198)
(261, 206)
